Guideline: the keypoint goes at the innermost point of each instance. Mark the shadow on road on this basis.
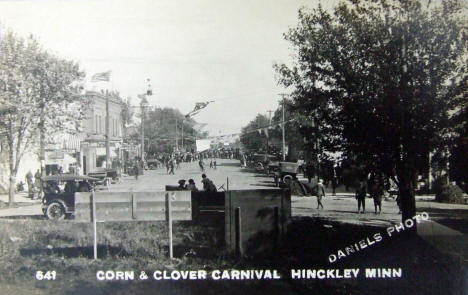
(229, 164)
(263, 184)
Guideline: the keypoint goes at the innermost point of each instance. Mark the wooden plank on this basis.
(169, 197)
(134, 207)
(126, 206)
(93, 200)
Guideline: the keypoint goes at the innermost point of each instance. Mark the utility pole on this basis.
(182, 133)
(266, 133)
(176, 135)
(107, 132)
(42, 144)
(283, 95)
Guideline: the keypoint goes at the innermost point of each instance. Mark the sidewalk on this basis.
(21, 197)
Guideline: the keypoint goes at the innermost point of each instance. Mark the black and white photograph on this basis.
(233, 147)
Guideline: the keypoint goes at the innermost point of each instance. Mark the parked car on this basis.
(261, 161)
(104, 176)
(153, 164)
(59, 193)
(286, 172)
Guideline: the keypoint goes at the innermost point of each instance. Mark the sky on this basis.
(191, 51)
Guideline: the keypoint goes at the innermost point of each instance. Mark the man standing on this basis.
(37, 183)
(320, 191)
(136, 170)
(29, 181)
(171, 166)
(201, 164)
(361, 196)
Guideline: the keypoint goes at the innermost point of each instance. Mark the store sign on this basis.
(56, 155)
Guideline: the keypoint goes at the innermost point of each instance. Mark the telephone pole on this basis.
(108, 164)
(283, 95)
(176, 135)
(266, 133)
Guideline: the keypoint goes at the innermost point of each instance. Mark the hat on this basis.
(191, 181)
(182, 181)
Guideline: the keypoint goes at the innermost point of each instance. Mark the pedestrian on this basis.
(191, 186)
(214, 164)
(211, 163)
(361, 196)
(334, 182)
(178, 162)
(135, 169)
(171, 166)
(376, 194)
(201, 164)
(37, 184)
(208, 185)
(320, 193)
(29, 181)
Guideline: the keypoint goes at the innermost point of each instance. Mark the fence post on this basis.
(238, 227)
(93, 196)
(169, 223)
(134, 206)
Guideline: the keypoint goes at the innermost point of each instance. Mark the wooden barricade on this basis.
(133, 206)
(255, 219)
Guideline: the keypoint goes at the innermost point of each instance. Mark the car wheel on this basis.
(287, 179)
(55, 211)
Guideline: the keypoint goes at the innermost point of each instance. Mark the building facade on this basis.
(92, 156)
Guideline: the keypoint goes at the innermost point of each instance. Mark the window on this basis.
(95, 125)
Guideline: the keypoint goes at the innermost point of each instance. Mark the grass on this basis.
(30, 245)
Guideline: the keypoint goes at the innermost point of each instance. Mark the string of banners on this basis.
(258, 129)
(263, 129)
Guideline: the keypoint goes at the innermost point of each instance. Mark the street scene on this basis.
(295, 147)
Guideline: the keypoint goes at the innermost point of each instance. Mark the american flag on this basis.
(101, 77)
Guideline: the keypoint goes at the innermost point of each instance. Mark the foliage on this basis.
(126, 115)
(163, 125)
(450, 194)
(374, 74)
(459, 142)
(42, 93)
(252, 138)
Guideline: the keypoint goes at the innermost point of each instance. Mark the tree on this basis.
(42, 92)
(253, 138)
(375, 76)
(164, 125)
(61, 101)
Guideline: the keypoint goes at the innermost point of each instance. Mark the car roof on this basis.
(65, 177)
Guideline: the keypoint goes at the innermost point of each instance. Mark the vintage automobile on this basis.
(153, 164)
(286, 173)
(260, 162)
(59, 193)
